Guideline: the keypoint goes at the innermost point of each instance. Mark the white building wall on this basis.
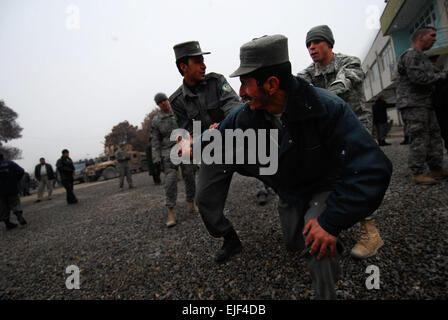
(373, 64)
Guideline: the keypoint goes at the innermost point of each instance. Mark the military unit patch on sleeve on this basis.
(176, 117)
(226, 87)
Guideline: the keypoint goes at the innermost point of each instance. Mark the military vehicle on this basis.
(107, 166)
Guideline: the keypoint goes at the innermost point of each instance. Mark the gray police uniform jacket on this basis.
(416, 80)
(161, 127)
(346, 70)
(211, 102)
(122, 157)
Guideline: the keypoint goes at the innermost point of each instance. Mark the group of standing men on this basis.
(331, 172)
(43, 172)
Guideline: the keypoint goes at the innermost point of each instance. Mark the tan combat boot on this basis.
(171, 222)
(369, 242)
(441, 173)
(422, 179)
(192, 207)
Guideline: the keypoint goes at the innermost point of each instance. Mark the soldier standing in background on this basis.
(342, 75)
(415, 88)
(162, 125)
(123, 157)
(379, 111)
(66, 170)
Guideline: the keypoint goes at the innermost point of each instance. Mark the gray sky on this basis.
(74, 69)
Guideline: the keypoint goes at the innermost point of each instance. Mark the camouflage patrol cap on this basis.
(322, 32)
(188, 49)
(262, 52)
(160, 97)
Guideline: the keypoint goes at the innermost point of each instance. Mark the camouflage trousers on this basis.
(426, 142)
(125, 171)
(171, 172)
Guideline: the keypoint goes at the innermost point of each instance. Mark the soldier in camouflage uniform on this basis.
(123, 157)
(336, 72)
(342, 75)
(415, 87)
(163, 124)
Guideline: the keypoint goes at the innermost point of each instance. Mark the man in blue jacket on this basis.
(10, 176)
(331, 173)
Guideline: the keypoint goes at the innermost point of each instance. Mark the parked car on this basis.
(79, 172)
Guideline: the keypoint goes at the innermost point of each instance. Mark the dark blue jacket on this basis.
(323, 147)
(10, 175)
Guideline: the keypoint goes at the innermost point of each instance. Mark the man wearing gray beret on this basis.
(342, 75)
(330, 172)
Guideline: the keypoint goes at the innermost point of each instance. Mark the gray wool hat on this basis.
(262, 52)
(160, 97)
(322, 32)
(188, 49)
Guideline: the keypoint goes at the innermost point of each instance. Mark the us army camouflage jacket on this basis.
(416, 79)
(122, 156)
(161, 127)
(344, 70)
(211, 102)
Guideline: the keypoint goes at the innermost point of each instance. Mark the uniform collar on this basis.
(186, 91)
(302, 102)
(330, 68)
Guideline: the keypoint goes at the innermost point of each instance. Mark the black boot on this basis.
(10, 225)
(20, 218)
(383, 143)
(232, 245)
(405, 141)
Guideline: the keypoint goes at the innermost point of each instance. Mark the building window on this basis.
(375, 72)
(387, 57)
(428, 18)
(367, 84)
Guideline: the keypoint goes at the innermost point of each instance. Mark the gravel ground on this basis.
(124, 251)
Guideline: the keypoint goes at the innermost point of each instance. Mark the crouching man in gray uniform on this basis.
(330, 172)
(162, 125)
(123, 157)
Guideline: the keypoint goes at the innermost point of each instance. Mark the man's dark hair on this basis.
(281, 71)
(64, 151)
(42, 158)
(1, 156)
(182, 60)
(421, 32)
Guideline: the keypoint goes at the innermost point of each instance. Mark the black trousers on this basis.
(68, 185)
(212, 190)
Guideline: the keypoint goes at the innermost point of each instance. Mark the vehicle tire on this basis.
(110, 173)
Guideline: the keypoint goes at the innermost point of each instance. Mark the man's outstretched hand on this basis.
(184, 146)
(319, 239)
